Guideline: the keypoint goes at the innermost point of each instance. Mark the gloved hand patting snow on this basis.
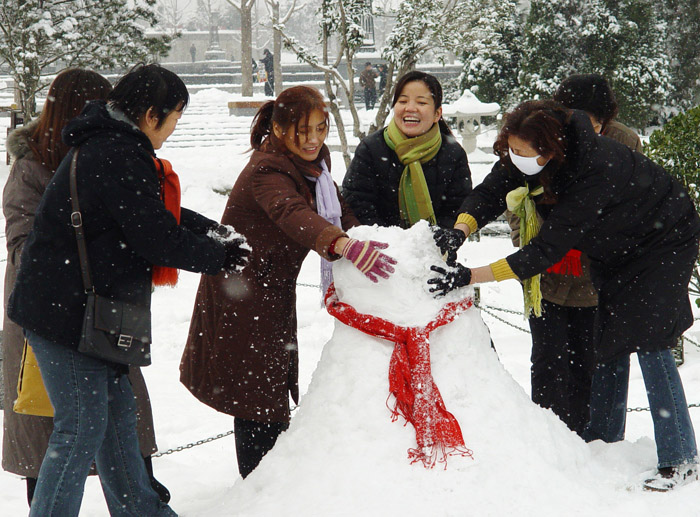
(237, 249)
(448, 280)
(366, 257)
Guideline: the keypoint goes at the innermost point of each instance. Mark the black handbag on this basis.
(113, 330)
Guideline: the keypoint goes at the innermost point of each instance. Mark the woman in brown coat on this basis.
(37, 150)
(241, 356)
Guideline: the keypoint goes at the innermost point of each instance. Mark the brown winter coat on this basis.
(241, 356)
(621, 133)
(367, 78)
(25, 437)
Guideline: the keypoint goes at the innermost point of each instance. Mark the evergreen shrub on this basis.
(676, 147)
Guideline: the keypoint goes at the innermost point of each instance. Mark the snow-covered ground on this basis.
(343, 455)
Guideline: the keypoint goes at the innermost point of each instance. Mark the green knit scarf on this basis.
(519, 201)
(414, 197)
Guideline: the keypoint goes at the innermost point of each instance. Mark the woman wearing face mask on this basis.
(562, 356)
(241, 356)
(639, 228)
(414, 168)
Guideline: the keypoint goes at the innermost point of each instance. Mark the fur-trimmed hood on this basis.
(18, 140)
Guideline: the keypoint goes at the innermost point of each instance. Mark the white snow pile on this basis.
(342, 454)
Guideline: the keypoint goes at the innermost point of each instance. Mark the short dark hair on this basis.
(433, 85)
(590, 93)
(146, 86)
(368, 64)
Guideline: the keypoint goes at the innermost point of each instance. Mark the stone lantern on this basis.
(468, 110)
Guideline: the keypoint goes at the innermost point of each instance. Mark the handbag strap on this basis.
(76, 220)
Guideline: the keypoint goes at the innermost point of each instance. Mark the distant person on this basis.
(193, 52)
(383, 71)
(241, 356)
(367, 77)
(268, 64)
(414, 158)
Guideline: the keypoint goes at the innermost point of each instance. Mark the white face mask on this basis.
(526, 164)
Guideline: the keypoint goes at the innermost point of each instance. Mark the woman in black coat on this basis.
(639, 228)
(372, 183)
(128, 231)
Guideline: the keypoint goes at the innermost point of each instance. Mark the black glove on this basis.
(449, 240)
(219, 231)
(446, 281)
(236, 256)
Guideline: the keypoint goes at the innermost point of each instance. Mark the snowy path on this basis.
(204, 480)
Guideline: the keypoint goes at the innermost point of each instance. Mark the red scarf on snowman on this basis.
(418, 399)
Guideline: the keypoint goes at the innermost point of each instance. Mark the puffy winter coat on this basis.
(241, 356)
(127, 230)
(371, 184)
(26, 437)
(637, 224)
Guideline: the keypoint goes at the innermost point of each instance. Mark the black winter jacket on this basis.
(371, 184)
(637, 224)
(127, 229)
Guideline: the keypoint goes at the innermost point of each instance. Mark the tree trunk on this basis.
(246, 49)
(349, 59)
(385, 101)
(333, 103)
(277, 50)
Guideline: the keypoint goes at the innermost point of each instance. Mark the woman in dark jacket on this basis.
(37, 151)
(128, 230)
(241, 356)
(639, 228)
(562, 354)
(414, 159)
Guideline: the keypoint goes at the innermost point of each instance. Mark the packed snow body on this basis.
(344, 456)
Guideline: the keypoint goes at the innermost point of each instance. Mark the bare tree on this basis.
(421, 25)
(171, 13)
(340, 21)
(278, 20)
(245, 9)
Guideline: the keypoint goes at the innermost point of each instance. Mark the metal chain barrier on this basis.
(488, 309)
(193, 444)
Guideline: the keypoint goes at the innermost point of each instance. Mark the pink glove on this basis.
(366, 257)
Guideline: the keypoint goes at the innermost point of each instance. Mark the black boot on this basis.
(31, 486)
(163, 493)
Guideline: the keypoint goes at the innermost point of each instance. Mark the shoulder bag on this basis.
(113, 330)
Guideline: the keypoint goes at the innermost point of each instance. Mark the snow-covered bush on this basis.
(677, 148)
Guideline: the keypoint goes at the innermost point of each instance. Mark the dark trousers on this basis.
(270, 85)
(563, 362)
(370, 98)
(253, 441)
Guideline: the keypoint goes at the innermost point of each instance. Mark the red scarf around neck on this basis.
(418, 399)
(170, 194)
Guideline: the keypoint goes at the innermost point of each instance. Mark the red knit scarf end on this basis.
(170, 194)
(417, 398)
(569, 265)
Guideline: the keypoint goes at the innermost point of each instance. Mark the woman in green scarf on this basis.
(414, 168)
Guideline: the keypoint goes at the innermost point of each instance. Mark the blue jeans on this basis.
(673, 429)
(94, 420)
